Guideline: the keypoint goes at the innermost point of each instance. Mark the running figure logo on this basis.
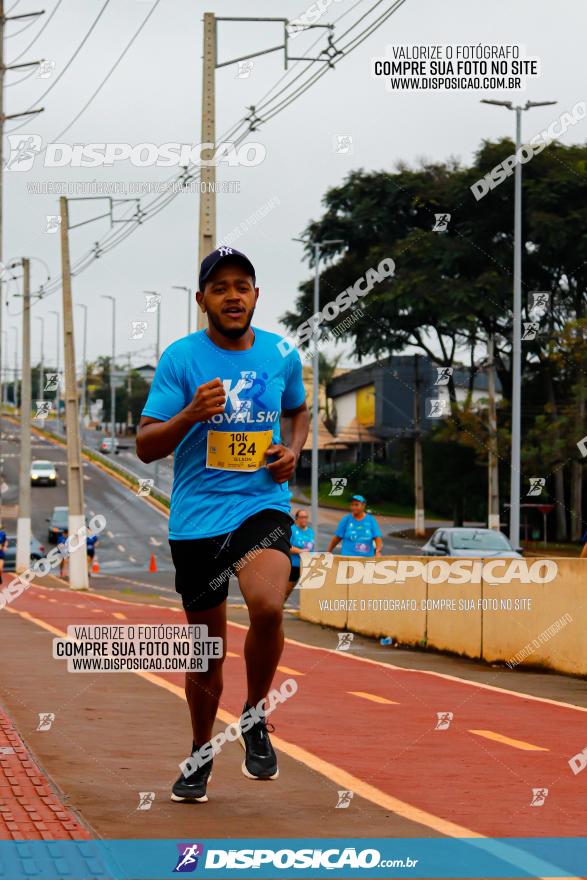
(345, 641)
(537, 484)
(189, 854)
(313, 569)
(146, 799)
(23, 151)
(539, 795)
(46, 719)
(441, 222)
(444, 719)
(444, 374)
(338, 485)
(344, 800)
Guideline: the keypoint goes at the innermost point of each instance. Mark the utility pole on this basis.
(112, 361)
(419, 523)
(128, 396)
(207, 227)
(58, 385)
(23, 527)
(15, 386)
(84, 368)
(3, 117)
(42, 365)
(492, 463)
(78, 570)
(515, 466)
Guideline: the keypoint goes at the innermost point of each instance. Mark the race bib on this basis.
(242, 451)
(362, 547)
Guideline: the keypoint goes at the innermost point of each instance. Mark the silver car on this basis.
(470, 542)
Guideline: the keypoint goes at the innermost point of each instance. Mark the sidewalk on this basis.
(29, 807)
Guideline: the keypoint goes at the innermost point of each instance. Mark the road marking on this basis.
(109, 533)
(289, 671)
(487, 687)
(121, 547)
(375, 698)
(119, 615)
(508, 741)
(154, 542)
(131, 559)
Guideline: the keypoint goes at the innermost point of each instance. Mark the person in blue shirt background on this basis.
(302, 538)
(358, 531)
(3, 547)
(91, 541)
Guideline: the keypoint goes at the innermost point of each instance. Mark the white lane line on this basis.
(121, 548)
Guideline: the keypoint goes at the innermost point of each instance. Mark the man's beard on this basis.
(231, 332)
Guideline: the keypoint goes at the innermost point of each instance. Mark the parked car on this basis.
(470, 542)
(37, 552)
(43, 473)
(109, 444)
(58, 522)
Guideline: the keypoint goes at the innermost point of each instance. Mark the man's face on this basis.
(357, 507)
(229, 298)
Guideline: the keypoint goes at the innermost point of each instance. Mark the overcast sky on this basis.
(155, 96)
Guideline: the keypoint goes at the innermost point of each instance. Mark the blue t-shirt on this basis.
(357, 535)
(303, 539)
(259, 383)
(91, 541)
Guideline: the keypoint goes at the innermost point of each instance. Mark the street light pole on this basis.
(58, 388)
(112, 389)
(42, 365)
(189, 293)
(515, 466)
(157, 353)
(317, 245)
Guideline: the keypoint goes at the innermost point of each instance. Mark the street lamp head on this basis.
(507, 104)
(530, 104)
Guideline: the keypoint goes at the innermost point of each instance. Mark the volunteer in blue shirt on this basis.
(216, 402)
(302, 538)
(358, 531)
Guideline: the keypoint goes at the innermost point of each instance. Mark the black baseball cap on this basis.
(214, 259)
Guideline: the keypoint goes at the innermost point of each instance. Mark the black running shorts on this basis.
(204, 566)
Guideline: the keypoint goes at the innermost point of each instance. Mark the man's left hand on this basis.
(285, 462)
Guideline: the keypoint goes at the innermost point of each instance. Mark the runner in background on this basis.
(583, 554)
(302, 538)
(91, 541)
(3, 547)
(358, 531)
(62, 546)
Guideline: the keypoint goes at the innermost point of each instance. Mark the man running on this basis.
(302, 538)
(216, 402)
(358, 531)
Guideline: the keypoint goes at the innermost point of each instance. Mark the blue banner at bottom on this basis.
(508, 857)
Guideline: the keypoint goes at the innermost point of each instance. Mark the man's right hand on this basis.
(209, 400)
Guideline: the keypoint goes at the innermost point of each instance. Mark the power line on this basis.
(24, 51)
(69, 63)
(115, 237)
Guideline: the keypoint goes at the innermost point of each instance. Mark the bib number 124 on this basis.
(238, 445)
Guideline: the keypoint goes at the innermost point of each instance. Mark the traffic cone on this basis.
(152, 563)
(95, 567)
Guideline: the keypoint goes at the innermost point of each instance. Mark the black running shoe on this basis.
(193, 787)
(260, 758)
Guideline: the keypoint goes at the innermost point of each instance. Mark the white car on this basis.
(43, 473)
(108, 445)
(460, 541)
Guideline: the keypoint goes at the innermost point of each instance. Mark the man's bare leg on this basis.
(263, 582)
(203, 689)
